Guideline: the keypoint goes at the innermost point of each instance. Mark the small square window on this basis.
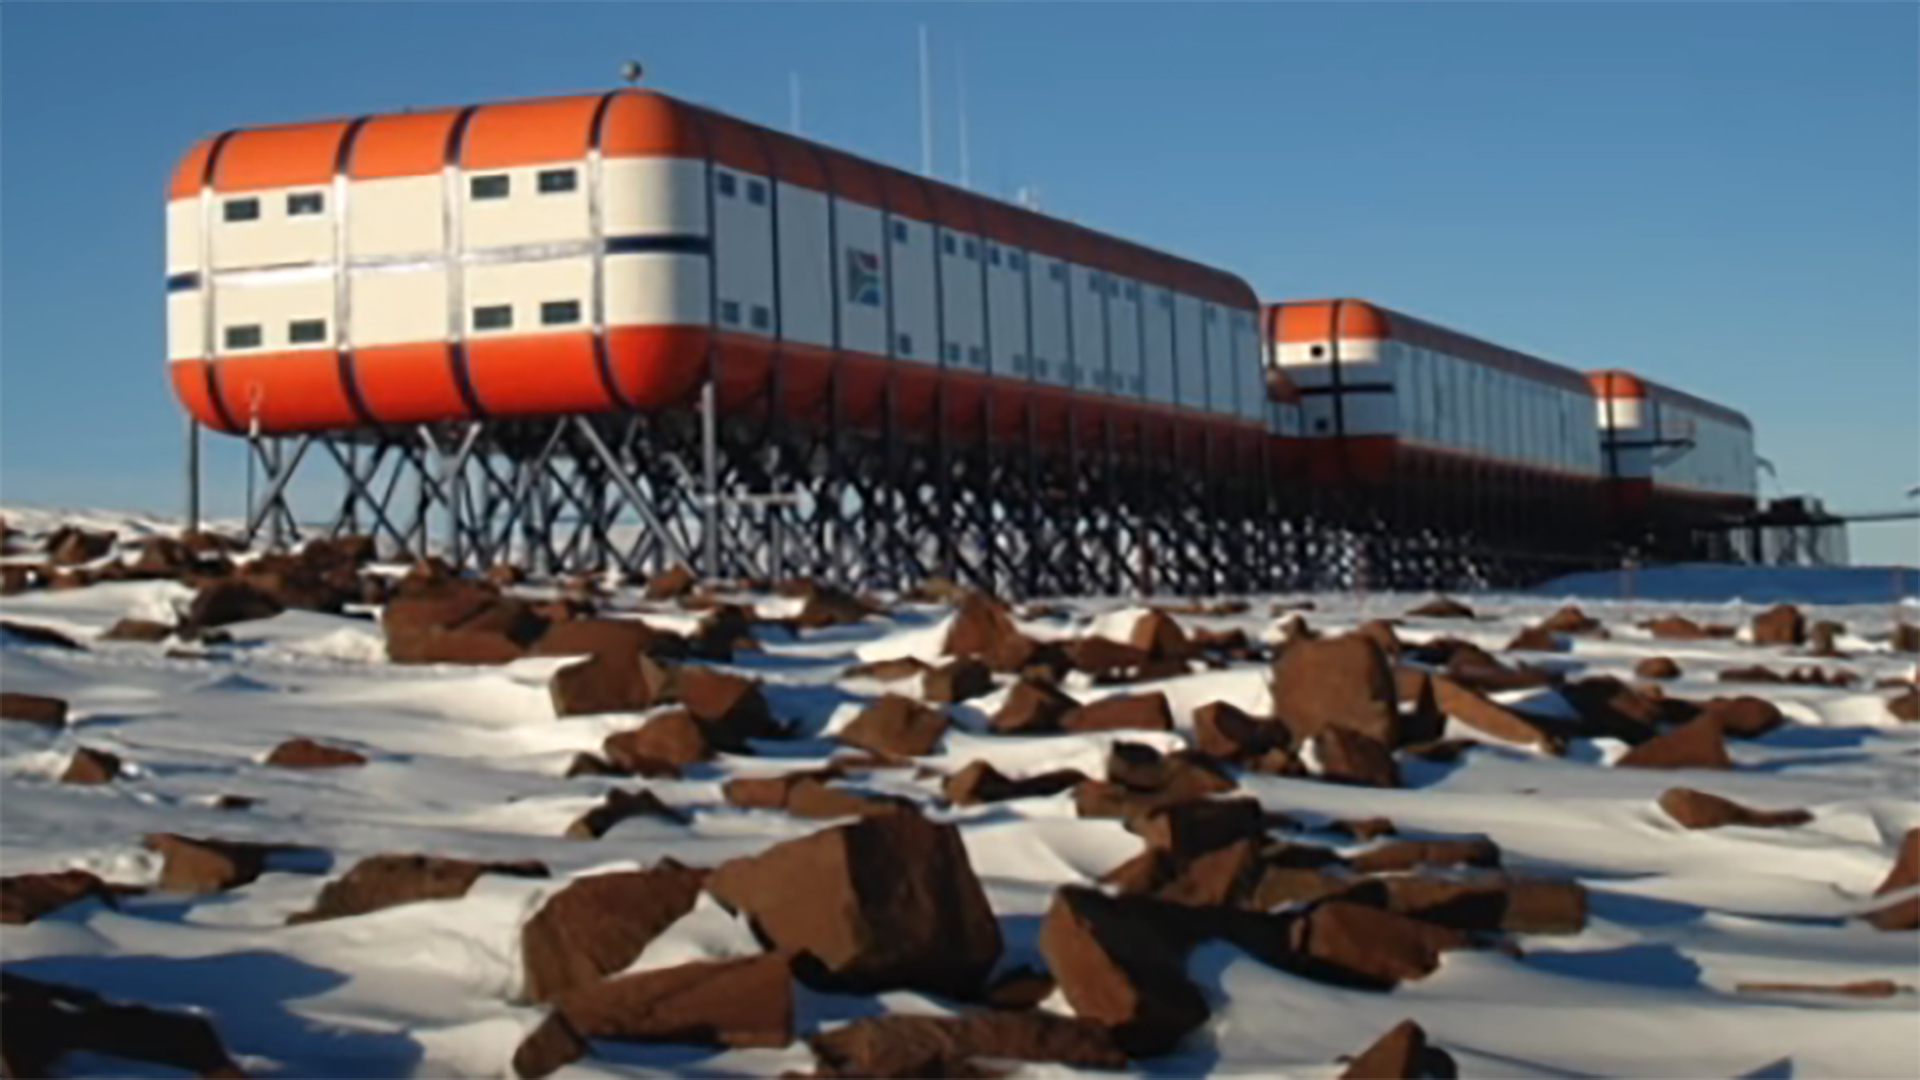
(975, 357)
(906, 344)
(899, 232)
(724, 184)
(1166, 300)
(557, 181)
(952, 352)
(559, 312)
(1016, 260)
(1019, 362)
(1058, 271)
(301, 203)
(493, 317)
(730, 312)
(306, 331)
(490, 187)
(241, 210)
(243, 337)
(1133, 291)
(993, 255)
(946, 243)
(973, 250)
(1040, 368)
(762, 318)
(757, 192)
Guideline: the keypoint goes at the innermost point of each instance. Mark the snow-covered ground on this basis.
(469, 761)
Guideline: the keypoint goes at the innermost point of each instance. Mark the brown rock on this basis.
(1701, 810)
(1868, 988)
(383, 881)
(1905, 873)
(1758, 673)
(1489, 902)
(1342, 682)
(1780, 625)
(1744, 717)
(1675, 628)
(1032, 708)
(1611, 708)
(1485, 715)
(1223, 731)
(550, 1045)
(1018, 654)
(1535, 639)
(1349, 757)
(896, 725)
(672, 583)
(1570, 620)
(26, 897)
(33, 709)
(1371, 828)
(979, 624)
(1442, 608)
(600, 923)
(46, 1021)
(1298, 885)
(1699, 744)
(1116, 968)
(1381, 632)
(1106, 660)
(90, 766)
(673, 737)
(810, 797)
(1401, 1054)
(1656, 667)
(1018, 989)
(1904, 638)
(946, 1045)
(138, 630)
(905, 667)
(1191, 828)
(70, 546)
(1899, 915)
(1398, 855)
(221, 603)
(626, 638)
(612, 681)
(303, 753)
(1147, 712)
(1905, 705)
(980, 782)
(829, 606)
(734, 1003)
(16, 578)
(1220, 876)
(618, 806)
(1345, 942)
(731, 707)
(770, 792)
(206, 866)
(959, 680)
(1142, 768)
(889, 901)
(1161, 638)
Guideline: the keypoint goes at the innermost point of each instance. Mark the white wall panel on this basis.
(1159, 346)
(1190, 364)
(397, 216)
(1049, 281)
(1007, 314)
(916, 337)
(393, 307)
(526, 215)
(806, 272)
(654, 196)
(656, 289)
(861, 264)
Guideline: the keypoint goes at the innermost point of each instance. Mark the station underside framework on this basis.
(739, 495)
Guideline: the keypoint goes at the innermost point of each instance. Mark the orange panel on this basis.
(906, 194)
(1359, 319)
(1298, 322)
(537, 374)
(285, 391)
(1616, 384)
(796, 161)
(406, 384)
(737, 145)
(852, 178)
(657, 366)
(955, 208)
(963, 404)
(1003, 223)
(914, 389)
(860, 380)
(279, 156)
(746, 371)
(190, 386)
(528, 132)
(645, 124)
(402, 144)
(1009, 401)
(1049, 406)
(806, 375)
(192, 169)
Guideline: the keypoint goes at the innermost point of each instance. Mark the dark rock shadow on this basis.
(245, 996)
(807, 708)
(1629, 910)
(1805, 737)
(1660, 966)
(1781, 1069)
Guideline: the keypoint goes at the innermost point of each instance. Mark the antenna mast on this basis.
(793, 91)
(926, 106)
(960, 80)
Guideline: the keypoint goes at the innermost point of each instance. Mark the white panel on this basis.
(1007, 313)
(392, 307)
(1219, 346)
(183, 235)
(914, 333)
(403, 215)
(1371, 413)
(656, 289)
(525, 286)
(743, 248)
(1088, 367)
(271, 306)
(861, 264)
(526, 215)
(1159, 343)
(1252, 388)
(1049, 280)
(1189, 361)
(1125, 377)
(960, 301)
(184, 331)
(1316, 414)
(274, 238)
(806, 273)
(653, 196)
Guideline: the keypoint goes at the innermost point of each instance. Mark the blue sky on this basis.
(1726, 197)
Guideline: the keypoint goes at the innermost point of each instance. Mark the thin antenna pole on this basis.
(960, 79)
(926, 106)
(793, 86)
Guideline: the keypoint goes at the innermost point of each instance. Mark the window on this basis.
(1093, 283)
(899, 232)
(1040, 368)
(557, 181)
(973, 250)
(490, 187)
(730, 312)
(993, 255)
(1133, 291)
(762, 318)
(306, 331)
(1166, 300)
(305, 202)
(946, 243)
(952, 352)
(757, 192)
(974, 356)
(1016, 261)
(906, 344)
(559, 312)
(243, 337)
(241, 210)
(1019, 363)
(493, 317)
(1317, 351)
(1058, 271)
(723, 182)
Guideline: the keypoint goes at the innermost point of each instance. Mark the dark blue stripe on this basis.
(679, 244)
(185, 282)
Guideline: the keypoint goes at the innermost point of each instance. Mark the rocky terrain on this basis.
(315, 815)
